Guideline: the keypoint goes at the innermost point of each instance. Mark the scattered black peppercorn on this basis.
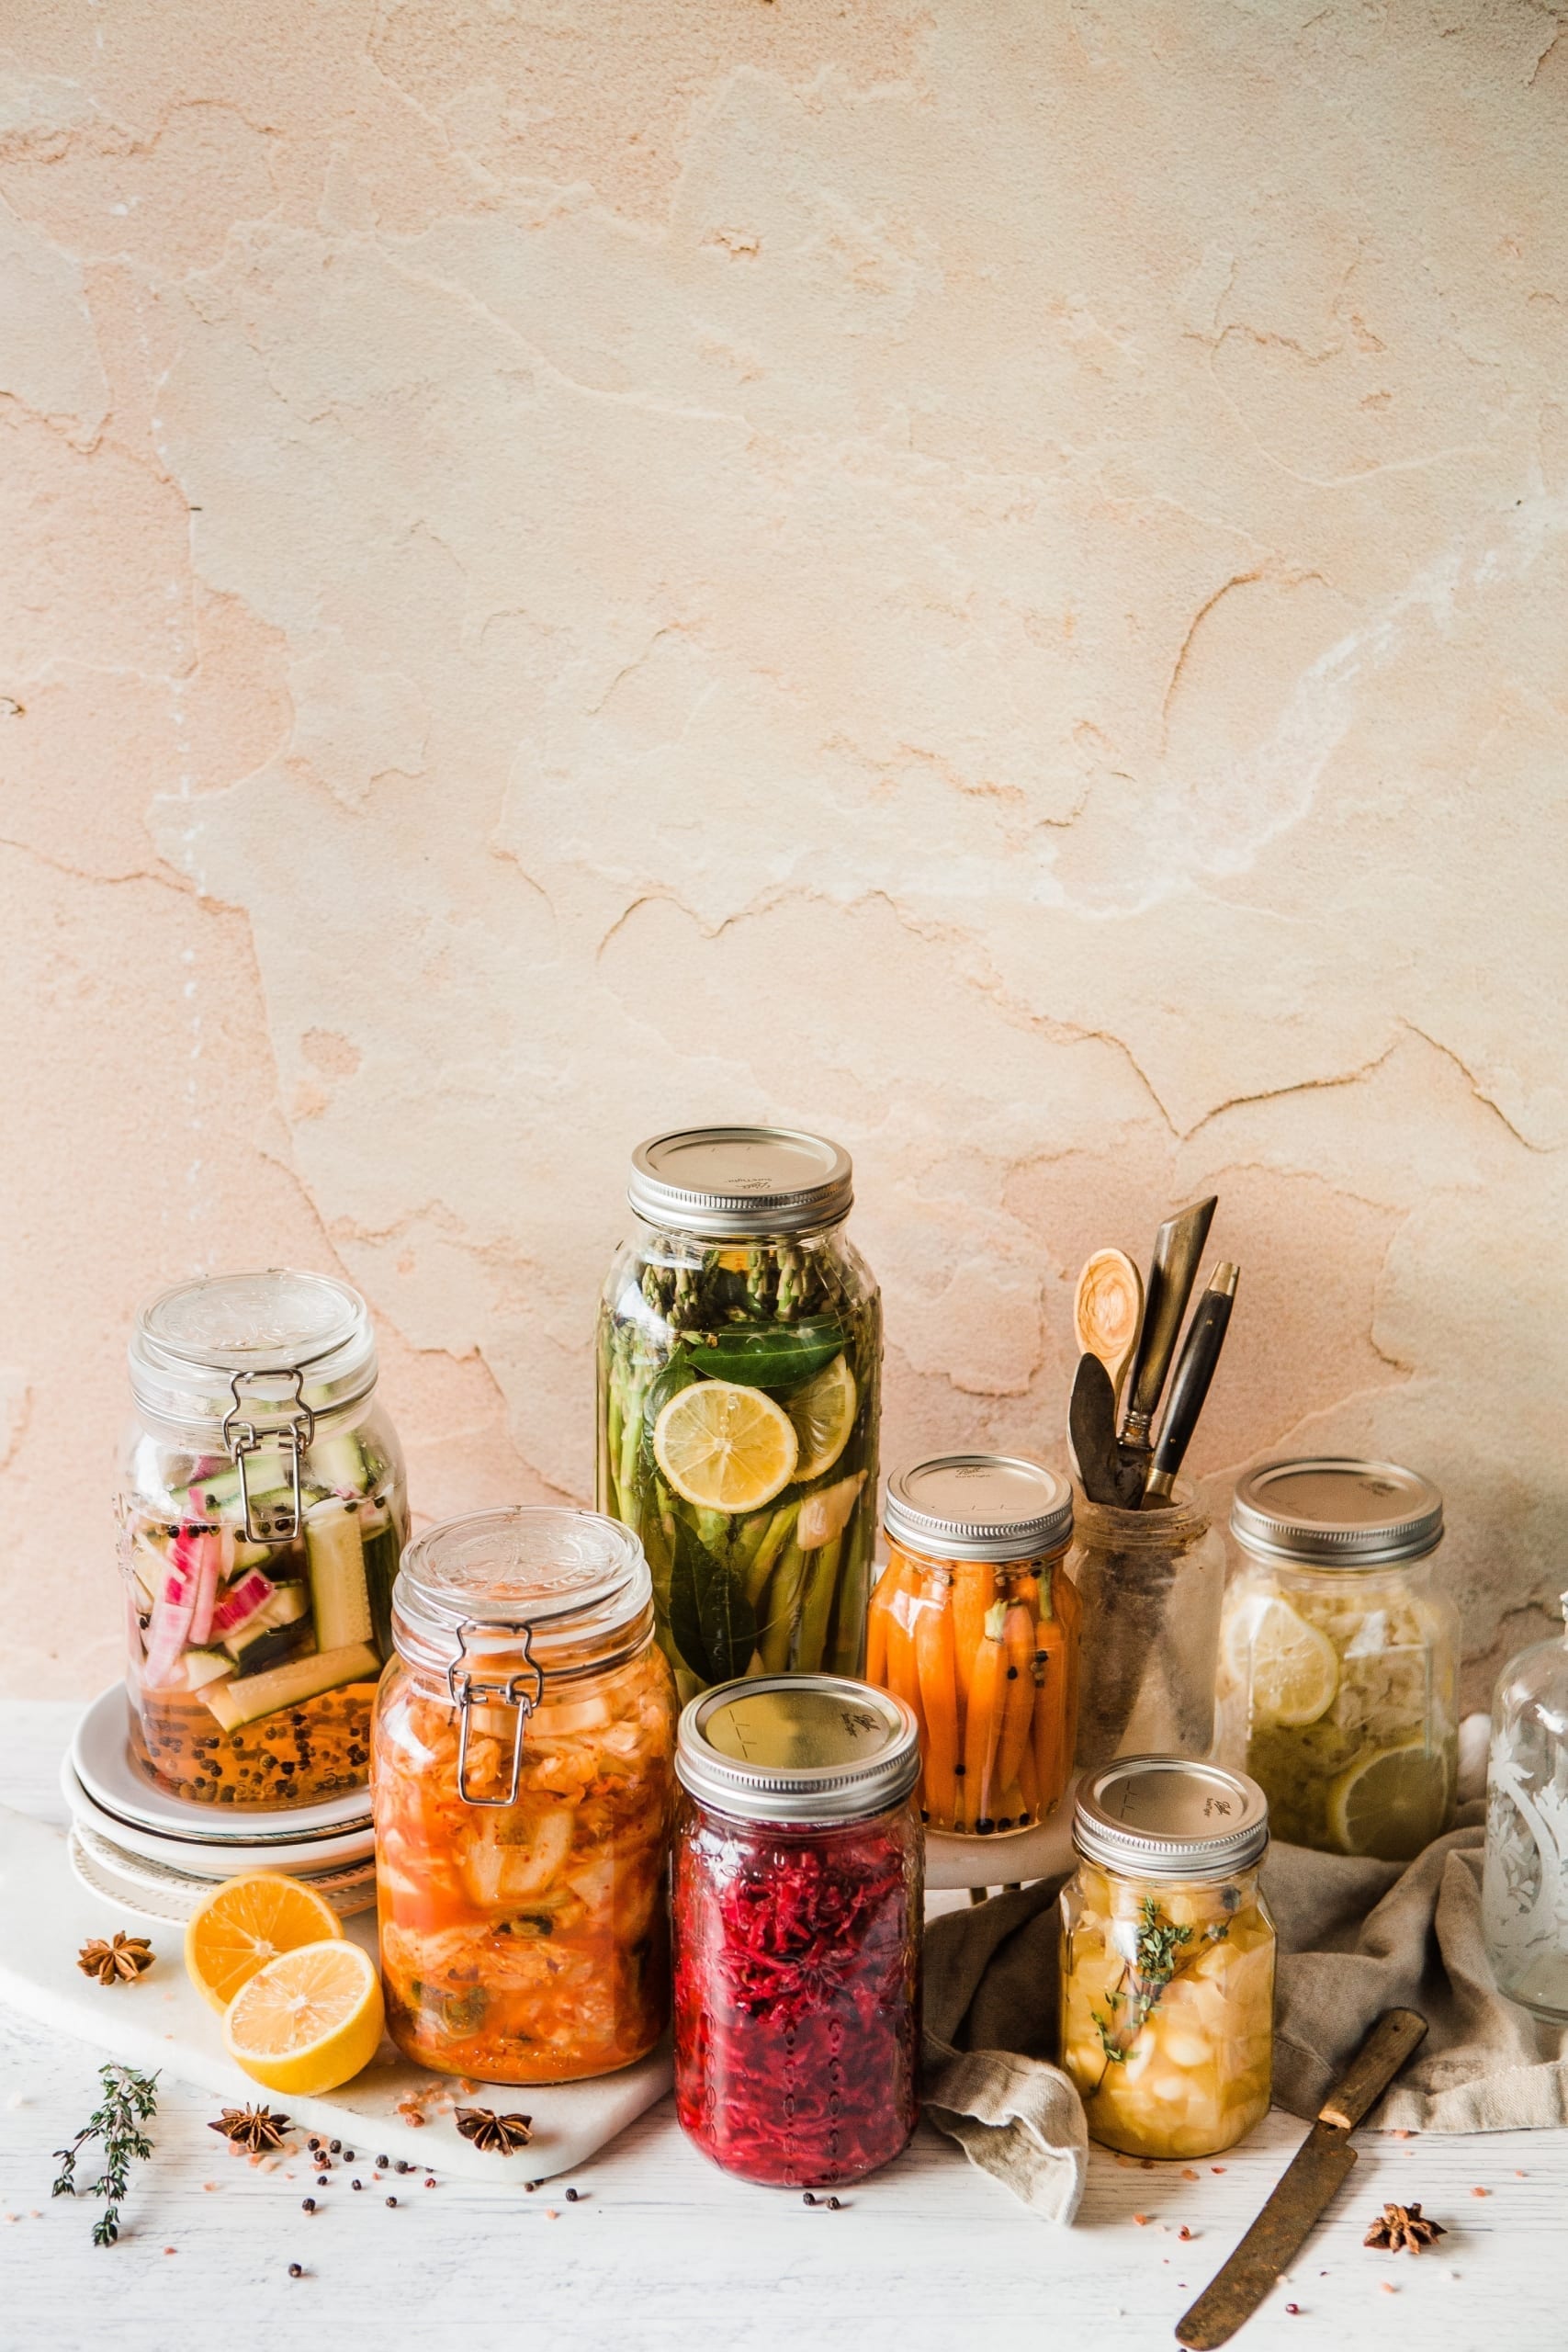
(336, 2147)
(356, 2184)
(348, 2156)
(296, 2270)
(571, 2195)
(834, 2206)
(808, 2198)
(314, 2145)
(382, 2162)
(403, 2165)
(391, 2201)
(530, 2185)
(307, 2204)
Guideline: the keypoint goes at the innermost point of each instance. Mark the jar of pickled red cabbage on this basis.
(1167, 1958)
(262, 1511)
(738, 1361)
(1340, 1657)
(973, 1624)
(522, 1788)
(797, 1915)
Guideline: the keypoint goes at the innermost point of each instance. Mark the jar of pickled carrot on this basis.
(973, 1624)
(798, 1903)
(522, 1781)
(1168, 1957)
(262, 1511)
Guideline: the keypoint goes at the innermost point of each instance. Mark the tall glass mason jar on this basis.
(799, 1908)
(1524, 1890)
(1151, 1584)
(1340, 1657)
(262, 1510)
(1167, 1958)
(974, 1625)
(739, 1364)
(524, 1788)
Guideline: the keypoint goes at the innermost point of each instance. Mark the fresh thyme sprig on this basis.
(1159, 1953)
(129, 2100)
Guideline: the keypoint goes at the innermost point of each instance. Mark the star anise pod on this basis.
(1403, 2229)
(117, 1959)
(504, 2133)
(255, 2128)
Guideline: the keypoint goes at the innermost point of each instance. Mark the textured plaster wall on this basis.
(987, 575)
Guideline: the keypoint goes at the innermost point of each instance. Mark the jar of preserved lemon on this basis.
(1340, 1657)
(1168, 1957)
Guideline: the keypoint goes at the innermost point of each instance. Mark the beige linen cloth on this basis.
(1356, 1938)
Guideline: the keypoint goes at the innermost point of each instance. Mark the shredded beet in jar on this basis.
(796, 1991)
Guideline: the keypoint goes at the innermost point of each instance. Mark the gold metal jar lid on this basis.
(740, 1184)
(1332, 1511)
(1170, 1817)
(800, 1747)
(978, 1507)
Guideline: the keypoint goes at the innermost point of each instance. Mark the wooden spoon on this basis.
(1108, 1311)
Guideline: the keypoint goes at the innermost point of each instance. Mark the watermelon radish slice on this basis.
(172, 1609)
(237, 1607)
(215, 1551)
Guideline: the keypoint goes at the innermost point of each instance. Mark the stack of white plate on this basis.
(160, 1855)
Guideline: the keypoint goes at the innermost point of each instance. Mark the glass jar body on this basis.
(1525, 1889)
(1167, 2009)
(797, 1954)
(526, 1943)
(252, 1666)
(1151, 1584)
(987, 1654)
(1340, 1697)
(756, 1505)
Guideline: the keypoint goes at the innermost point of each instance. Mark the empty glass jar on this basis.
(798, 1911)
(1525, 1892)
(262, 1511)
(973, 1624)
(1167, 1958)
(740, 1354)
(1340, 1657)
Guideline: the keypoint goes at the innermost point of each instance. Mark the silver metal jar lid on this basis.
(277, 1338)
(568, 1590)
(1169, 1818)
(978, 1507)
(1331, 1513)
(735, 1183)
(802, 1748)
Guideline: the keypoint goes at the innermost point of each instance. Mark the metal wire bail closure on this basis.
(464, 1688)
(294, 1436)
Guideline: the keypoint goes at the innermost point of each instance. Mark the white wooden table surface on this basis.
(662, 2251)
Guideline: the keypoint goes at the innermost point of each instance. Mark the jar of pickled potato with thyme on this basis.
(1167, 1958)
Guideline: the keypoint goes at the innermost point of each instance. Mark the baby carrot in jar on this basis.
(974, 1626)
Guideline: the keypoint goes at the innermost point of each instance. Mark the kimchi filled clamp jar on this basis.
(1339, 1657)
(797, 1909)
(523, 1791)
(262, 1510)
(1168, 1957)
(740, 1351)
(974, 1624)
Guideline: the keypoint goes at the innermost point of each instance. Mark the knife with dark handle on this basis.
(1190, 1381)
(1178, 1246)
(1306, 2188)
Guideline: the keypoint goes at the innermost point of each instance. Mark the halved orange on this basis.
(246, 1922)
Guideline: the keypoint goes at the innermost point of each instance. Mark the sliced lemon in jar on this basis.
(1391, 1803)
(1294, 1670)
(246, 1922)
(822, 1414)
(725, 1447)
(309, 2021)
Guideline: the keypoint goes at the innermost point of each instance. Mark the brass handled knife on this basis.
(1190, 1381)
(1178, 1245)
(1306, 2188)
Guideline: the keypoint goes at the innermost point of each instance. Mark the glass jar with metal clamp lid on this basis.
(523, 1785)
(262, 1511)
(740, 1354)
(1168, 1957)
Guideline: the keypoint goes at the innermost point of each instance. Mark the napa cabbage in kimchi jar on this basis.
(1168, 1957)
(262, 1512)
(523, 1784)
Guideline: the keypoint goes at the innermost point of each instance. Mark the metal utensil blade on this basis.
(1091, 1430)
(1178, 1246)
(1306, 2188)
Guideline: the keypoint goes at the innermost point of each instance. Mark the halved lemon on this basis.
(1294, 1669)
(1392, 1804)
(309, 2021)
(725, 1447)
(822, 1414)
(246, 1922)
